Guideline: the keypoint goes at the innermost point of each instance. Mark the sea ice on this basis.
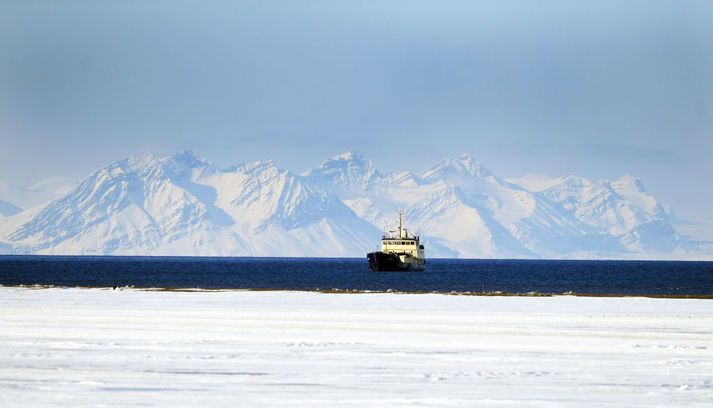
(93, 347)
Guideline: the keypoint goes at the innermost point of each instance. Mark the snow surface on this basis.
(185, 205)
(102, 347)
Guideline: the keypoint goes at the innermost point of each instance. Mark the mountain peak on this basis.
(473, 167)
(630, 182)
(463, 165)
(349, 155)
(189, 156)
(346, 169)
(131, 164)
(467, 160)
(186, 163)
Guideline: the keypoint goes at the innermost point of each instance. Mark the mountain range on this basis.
(186, 205)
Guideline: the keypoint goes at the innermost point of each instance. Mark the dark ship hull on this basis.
(390, 262)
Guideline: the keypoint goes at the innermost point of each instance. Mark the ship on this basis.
(400, 252)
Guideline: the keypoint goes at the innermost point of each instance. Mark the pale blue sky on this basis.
(597, 88)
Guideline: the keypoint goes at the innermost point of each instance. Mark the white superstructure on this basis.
(399, 242)
(399, 252)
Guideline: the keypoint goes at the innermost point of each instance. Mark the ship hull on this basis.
(389, 262)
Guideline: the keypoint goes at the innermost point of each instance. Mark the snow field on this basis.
(94, 347)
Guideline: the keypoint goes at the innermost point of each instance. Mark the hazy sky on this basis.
(597, 89)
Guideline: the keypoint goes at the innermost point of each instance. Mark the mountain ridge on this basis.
(184, 204)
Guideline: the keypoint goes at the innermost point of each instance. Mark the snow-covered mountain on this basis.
(347, 172)
(462, 209)
(622, 208)
(185, 205)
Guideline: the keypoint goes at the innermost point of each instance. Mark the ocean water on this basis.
(442, 275)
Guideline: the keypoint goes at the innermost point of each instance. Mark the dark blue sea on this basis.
(443, 275)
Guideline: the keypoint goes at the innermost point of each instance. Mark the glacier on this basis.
(186, 205)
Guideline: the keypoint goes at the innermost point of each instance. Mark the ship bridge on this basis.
(399, 242)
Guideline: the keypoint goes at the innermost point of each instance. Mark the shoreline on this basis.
(366, 291)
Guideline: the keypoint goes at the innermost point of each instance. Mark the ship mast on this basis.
(401, 235)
